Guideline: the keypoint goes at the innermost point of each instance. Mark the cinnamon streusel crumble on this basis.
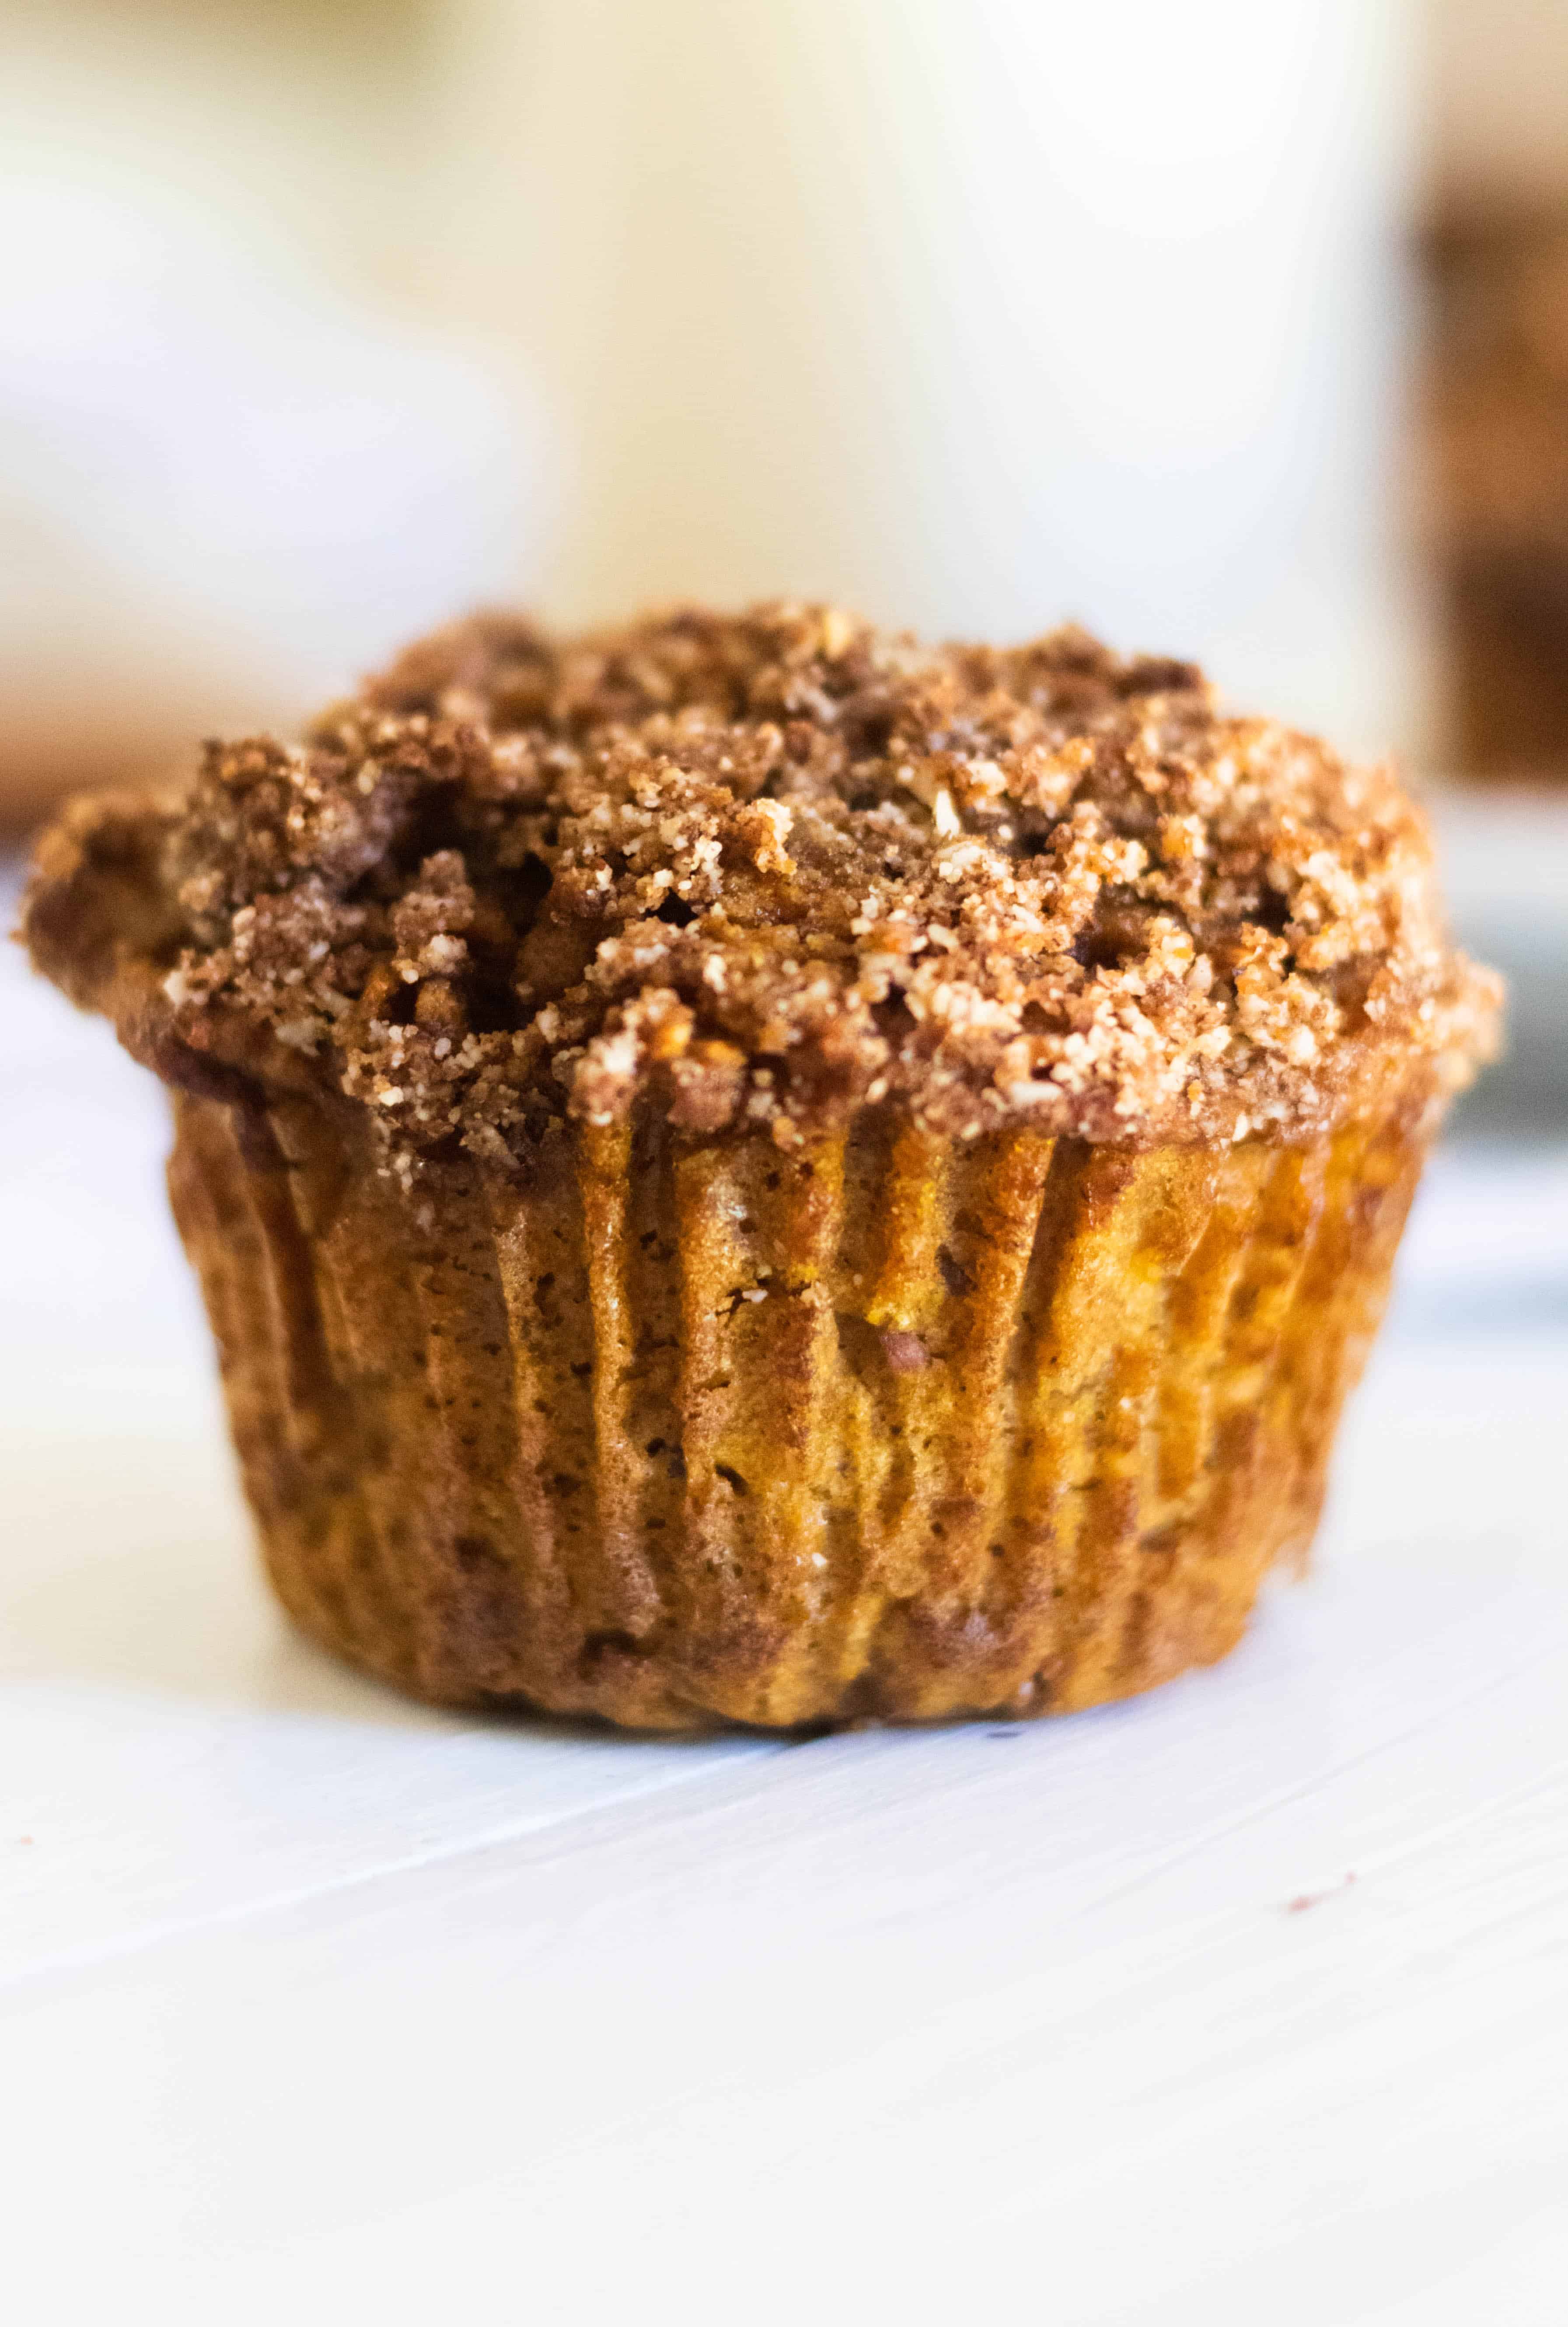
(773, 867)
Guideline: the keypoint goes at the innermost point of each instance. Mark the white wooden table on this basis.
(1247, 2002)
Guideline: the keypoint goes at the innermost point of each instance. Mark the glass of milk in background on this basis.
(973, 313)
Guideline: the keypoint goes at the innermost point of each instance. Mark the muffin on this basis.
(747, 1170)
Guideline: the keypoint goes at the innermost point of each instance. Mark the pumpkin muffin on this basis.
(746, 1169)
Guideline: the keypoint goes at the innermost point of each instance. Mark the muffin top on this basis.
(763, 869)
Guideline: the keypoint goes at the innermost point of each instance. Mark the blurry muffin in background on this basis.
(746, 1169)
(1495, 460)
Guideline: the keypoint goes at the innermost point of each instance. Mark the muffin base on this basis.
(682, 1433)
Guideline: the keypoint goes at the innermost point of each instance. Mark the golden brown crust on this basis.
(766, 871)
(682, 1432)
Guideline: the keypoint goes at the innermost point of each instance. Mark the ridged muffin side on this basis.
(683, 1431)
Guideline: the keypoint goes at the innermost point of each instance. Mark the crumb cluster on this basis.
(767, 869)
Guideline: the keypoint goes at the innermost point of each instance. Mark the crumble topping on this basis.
(765, 869)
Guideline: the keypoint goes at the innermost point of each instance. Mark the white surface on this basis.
(1246, 2002)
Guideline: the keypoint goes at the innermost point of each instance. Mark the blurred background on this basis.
(1234, 327)
(1234, 331)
